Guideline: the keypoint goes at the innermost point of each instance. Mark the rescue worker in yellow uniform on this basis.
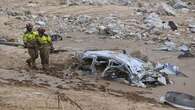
(45, 45)
(30, 42)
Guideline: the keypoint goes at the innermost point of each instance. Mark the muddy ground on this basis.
(24, 89)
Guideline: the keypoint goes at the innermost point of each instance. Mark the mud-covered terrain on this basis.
(80, 25)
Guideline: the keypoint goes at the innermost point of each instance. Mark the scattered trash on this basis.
(186, 54)
(172, 25)
(167, 46)
(119, 65)
(179, 100)
(168, 69)
(170, 46)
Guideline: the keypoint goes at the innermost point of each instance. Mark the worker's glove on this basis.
(25, 45)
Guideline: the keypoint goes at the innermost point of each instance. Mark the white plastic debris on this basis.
(170, 69)
(162, 80)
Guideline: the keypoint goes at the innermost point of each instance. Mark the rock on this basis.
(83, 19)
(28, 12)
(184, 10)
(114, 29)
(3, 39)
(91, 29)
(153, 20)
(179, 4)
(192, 30)
(101, 29)
(166, 9)
(192, 27)
(172, 25)
(14, 13)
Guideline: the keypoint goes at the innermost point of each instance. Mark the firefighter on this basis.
(30, 42)
(45, 45)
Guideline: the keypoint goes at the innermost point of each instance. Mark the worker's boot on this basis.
(29, 62)
(33, 66)
(45, 67)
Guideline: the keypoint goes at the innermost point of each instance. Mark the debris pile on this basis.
(98, 2)
(119, 65)
(170, 46)
(110, 26)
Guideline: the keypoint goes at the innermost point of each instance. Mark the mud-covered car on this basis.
(115, 65)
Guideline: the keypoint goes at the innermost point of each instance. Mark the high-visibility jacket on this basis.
(44, 40)
(29, 37)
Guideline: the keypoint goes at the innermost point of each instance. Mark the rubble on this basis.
(119, 65)
(99, 2)
(153, 20)
(185, 51)
(179, 4)
(192, 27)
(168, 69)
(167, 46)
(165, 9)
(170, 46)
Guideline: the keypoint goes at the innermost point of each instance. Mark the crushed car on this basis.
(116, 64)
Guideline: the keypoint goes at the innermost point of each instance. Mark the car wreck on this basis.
(120, 65)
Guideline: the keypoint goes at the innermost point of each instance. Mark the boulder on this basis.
(179, 4)
(153, 20)
(192, 27)
(166, 9)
